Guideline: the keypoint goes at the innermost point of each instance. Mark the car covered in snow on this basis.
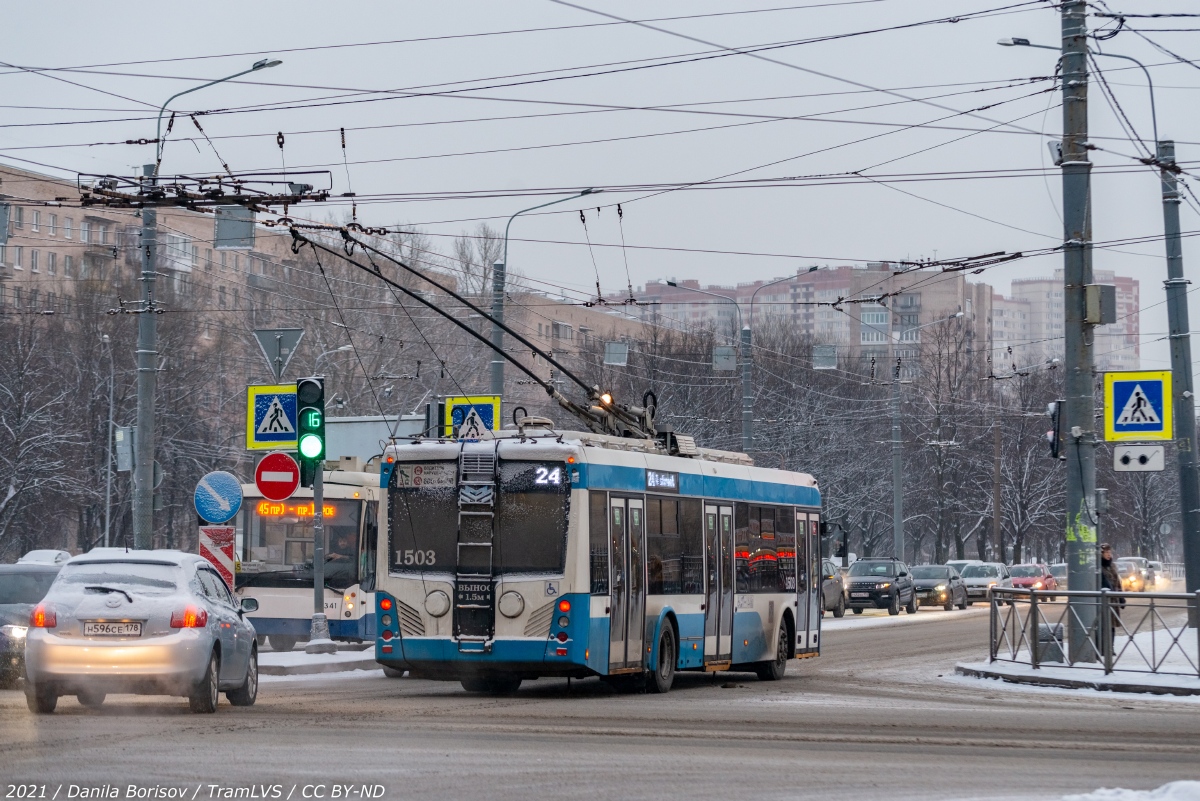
(982, 577)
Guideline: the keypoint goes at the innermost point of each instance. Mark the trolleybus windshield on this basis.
(528, 534)
(279, 542)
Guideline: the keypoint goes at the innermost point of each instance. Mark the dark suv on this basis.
(22, 586)
(881, 582)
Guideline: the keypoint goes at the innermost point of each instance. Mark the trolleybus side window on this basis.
(278, 535)
(366, 567)
(741, 546)
(532, 517)
(785, 545)
(664, 547)
(692, 537)
(598, 542)
(423, 524)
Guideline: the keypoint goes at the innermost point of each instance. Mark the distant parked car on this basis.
(833, 589)
(1033, 576)
(22, 586)
(147, 622)
(939, 585)
(959, 564)
(1059, 571)
(981, 578)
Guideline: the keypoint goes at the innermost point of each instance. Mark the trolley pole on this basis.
(147, 380)
(1079, 420)
(1181, 371)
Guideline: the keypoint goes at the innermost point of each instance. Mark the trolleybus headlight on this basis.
(511, 604)
(437, 603)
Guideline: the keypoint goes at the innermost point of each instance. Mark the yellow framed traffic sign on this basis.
(458, 409)
(271, 417)
(1137, 406)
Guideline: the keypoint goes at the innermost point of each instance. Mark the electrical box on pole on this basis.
(1054, 437)
(310, 433)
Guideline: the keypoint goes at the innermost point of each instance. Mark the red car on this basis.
(1033, 577)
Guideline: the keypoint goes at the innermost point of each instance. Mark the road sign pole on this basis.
(1079, 420)
(1181, 370)
(318, 638)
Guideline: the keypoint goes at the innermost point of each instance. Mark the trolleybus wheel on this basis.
(393, 673)
(662, 677)
(774, 670)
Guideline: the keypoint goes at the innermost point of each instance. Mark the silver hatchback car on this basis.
(147, 622)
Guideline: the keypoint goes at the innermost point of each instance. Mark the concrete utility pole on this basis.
(499, 275)
(108, 471)
(1079, 421)
(897, 467)
(147, 381)
(1181, 369)
(997, 451)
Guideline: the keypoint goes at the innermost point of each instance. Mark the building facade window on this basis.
(68, 223)
(16, 257)
(224, 260)
(53, 225)
(85, 232)
(69, 266)
(18, 216)
(208, 259)
(35, 221)
(34, 267)
(52, 263)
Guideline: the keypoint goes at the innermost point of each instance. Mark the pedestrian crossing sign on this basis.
(271, 417)
(1137, 406)
(469, 417)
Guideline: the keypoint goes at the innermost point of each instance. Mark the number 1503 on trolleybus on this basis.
(551, 553)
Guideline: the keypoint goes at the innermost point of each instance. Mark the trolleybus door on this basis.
(808, 579)
(718, 606)
(628, 620)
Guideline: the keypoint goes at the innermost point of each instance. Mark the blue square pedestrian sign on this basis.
(477, 412)
(271, 417)
(1137, 406)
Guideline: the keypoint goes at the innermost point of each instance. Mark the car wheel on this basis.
(949, 607)
(41, 700)
(663, 676)
(894, 606)
(282, 642)
(393, 673)
(248, 692)
(963, 603)
(856, 611)
(91, 699)
(911, 607)
(840, 609)
(206, 693)
(774, 670)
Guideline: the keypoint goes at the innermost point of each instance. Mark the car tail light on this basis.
(190, 618)
(43, 617)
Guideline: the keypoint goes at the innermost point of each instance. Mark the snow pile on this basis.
(1175, 791)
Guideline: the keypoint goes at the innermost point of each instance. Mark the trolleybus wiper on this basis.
(596, 417)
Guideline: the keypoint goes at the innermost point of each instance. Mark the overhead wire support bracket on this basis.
(257, 191)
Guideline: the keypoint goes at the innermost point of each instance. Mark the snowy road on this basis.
(879, 715)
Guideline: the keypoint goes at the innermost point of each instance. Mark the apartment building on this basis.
(1117, 346)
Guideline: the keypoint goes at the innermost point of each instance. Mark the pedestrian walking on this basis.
(1110, 580)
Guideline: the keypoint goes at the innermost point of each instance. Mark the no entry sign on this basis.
(277, 476)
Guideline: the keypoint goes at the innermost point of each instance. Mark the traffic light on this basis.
(1054, 437)
(310, 435)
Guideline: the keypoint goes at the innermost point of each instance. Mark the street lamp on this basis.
(499, 274)
(317, 361)
(1179, 328)
(897, 443)
(147, 342)
(107, 342)
(747, 394)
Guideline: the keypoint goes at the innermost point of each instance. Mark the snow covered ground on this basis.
(1150, 649)
(1175, 791)
(296, 662)
(871, 618)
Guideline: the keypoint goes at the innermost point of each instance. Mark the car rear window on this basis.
(1025, 571)
(920, 572)
(144, 577)
(862, 568)
(981, 571)
(25, 587)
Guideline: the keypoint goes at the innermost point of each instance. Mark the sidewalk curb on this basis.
(340, 666)
(1113, 685)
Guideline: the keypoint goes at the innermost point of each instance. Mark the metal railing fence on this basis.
(1137, 632)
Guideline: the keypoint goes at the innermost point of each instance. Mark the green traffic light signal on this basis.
(310, 397)
(311, 446)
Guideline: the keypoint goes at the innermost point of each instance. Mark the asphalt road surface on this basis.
(878, 716)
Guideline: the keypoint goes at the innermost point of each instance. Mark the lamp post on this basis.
(107, 342)
(499, 276)
(897, 442)
(317, 361)
(1179, 328)
(147, 344)
(747, 394)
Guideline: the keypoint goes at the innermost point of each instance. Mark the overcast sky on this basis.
(522, 108)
